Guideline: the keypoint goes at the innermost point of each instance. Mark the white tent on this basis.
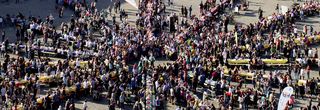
(133, 3)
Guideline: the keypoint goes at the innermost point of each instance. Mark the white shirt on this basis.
(72, 74)
(33, 26)
(121, 98)
(77, 63)
(60, 108)
(1, 20)
(85, 106)
(85, 84)
(240, 99)
(157, 84)
(295, 30)
(65, 36)
(310, 53)
(294, 53)
(76, 53)
(221, 74)
(171, 92)
(301, 72)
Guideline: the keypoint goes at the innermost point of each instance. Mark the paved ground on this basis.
(269, 6)
(46, 7)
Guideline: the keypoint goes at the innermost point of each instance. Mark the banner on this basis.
(284, 97)
(133, 3)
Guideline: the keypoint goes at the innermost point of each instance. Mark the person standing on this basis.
(260, 13)
(115, 7)
(311, 29)
(18, 34)
(318, 97)
(301, 15)
(226, 23)
(119, 5)
(185, 12)
(313, 86)
(318, 64)
(3, 94)
(67, 104)
(121, 100)
(112, 106)
(3, 35)
(308, 71)
(61, 12)
(301, 73)
(137, 106)
(182, 10)
(310, 104)
(60, 108)
(85, 106)
(171, 95)
(240, 99)
(157, 103)
(201, 7)
(6, 45)
(110, 11)
(1, 22)
(302, 91)
(277, 8)
(190, 11)
(246, 102)
(114, 19)
(121, 15)
(305, 29)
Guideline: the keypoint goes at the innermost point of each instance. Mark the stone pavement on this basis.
(269, 7)
(44, 8)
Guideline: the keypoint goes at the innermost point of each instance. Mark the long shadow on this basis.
(250, 14)
(258, 5)
(309, 21)
(251, 2)
(174, 10)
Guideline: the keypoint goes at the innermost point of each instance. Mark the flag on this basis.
(133, 3)
(284, 98)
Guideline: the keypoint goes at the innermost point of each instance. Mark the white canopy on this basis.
(133, 3)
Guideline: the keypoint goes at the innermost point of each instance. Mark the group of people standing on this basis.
(98, 56)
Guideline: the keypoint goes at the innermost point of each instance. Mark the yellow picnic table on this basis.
(275, 61)
(238, 61)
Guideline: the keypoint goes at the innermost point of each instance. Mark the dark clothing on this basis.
(3, 36)
(302, 91)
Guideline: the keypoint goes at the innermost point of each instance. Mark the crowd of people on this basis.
(88, 56)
